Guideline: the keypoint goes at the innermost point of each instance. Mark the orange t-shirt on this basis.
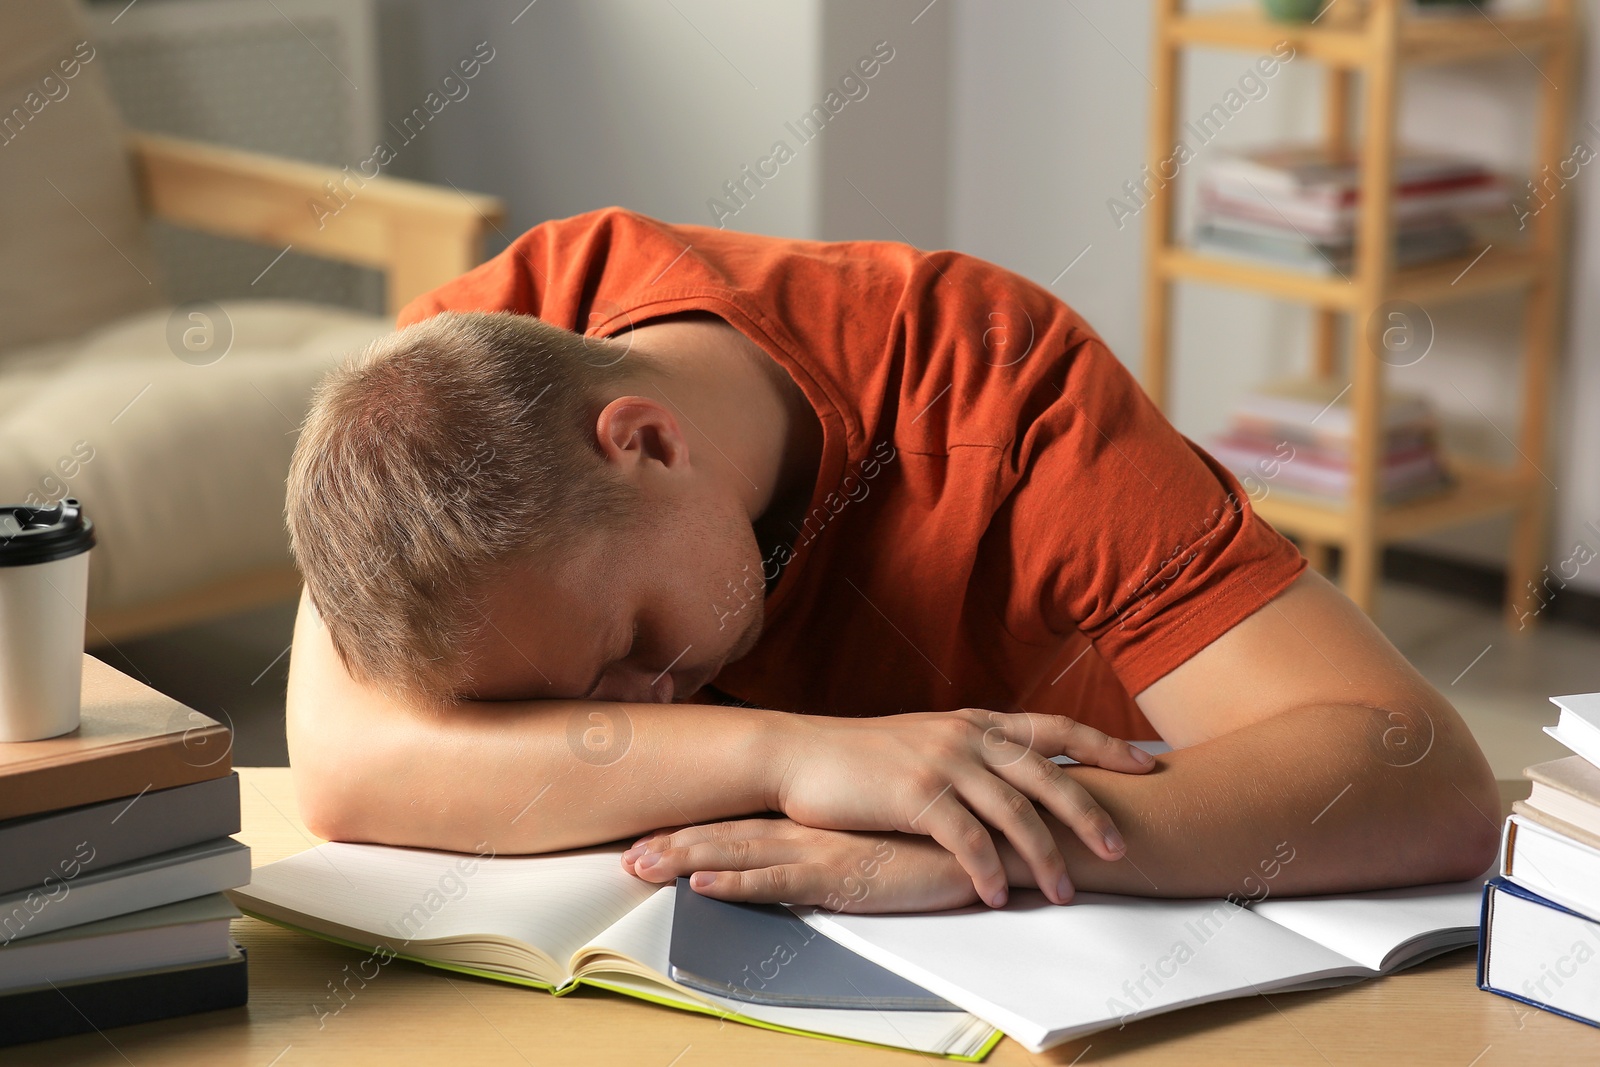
(1002, 518)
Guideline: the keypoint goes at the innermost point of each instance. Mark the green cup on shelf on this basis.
(1293, 10)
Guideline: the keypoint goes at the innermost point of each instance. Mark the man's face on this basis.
(687, 576)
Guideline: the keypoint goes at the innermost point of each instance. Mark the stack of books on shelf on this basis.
(1540, 938)
(114, 852)
(1299, 207)
(1297, 436)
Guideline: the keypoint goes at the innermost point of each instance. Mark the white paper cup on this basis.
(44, 587)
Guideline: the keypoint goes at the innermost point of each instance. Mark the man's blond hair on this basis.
(429, 464)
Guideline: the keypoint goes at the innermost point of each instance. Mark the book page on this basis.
(1386, 928)
(1044, 972)
(644, 937)
(410, 899)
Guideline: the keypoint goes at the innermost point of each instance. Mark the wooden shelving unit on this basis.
(1375, 44)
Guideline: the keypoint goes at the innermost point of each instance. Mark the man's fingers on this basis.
(1012, 813)
(1068, 801)
(790, 883)
(702, 848)
(1057, 735)
(968, 840)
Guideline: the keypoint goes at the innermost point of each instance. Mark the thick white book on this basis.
(1539, 952)
(1579, 725)
(1046, 973)
(1555, 865)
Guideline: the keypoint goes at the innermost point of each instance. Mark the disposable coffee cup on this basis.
(44, 588)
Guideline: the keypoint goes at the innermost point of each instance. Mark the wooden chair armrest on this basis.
(420, 235)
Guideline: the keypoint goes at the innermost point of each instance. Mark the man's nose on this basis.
(638, 688)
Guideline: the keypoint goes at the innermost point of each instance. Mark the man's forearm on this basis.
(536, 776)
(1309, 801)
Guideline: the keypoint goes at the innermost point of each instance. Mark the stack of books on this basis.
(1297, 436)
(1540, 940)
(114, 852)
(1299, 206)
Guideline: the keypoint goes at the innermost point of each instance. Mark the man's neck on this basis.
(764, 436)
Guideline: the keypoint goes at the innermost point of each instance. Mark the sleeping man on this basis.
(795, 563)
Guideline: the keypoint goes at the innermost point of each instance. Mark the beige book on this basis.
(1567, 789)
(131, 738)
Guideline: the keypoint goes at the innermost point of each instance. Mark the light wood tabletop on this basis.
(410, 1014)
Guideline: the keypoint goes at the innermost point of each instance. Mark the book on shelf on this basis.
(1311, 171)
(1297, 435)
(552, 922)
(1335, 224)
(1227, 237)
(1323, 410)
(1045, 974)
(130, 739)
(97, 1004)
(1402, 476)
(1299, 206)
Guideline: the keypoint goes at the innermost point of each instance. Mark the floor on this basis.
(235, 671)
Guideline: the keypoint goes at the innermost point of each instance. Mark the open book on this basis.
(555, 922)
(1044, 973)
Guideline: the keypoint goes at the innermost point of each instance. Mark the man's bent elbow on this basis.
(1466, 829)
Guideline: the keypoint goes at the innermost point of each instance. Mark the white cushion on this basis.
(180, 466)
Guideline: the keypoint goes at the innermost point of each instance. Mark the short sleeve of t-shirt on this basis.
(1123, 529)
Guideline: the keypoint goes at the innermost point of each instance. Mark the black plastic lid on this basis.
(40, 535)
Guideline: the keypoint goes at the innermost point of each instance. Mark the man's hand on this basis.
(947, 775)
(781, 861)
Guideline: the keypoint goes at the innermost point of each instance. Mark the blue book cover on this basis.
(1586, 929)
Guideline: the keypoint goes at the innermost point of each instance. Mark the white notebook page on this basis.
(1368, 927)
(554, 903)
(1044, 972)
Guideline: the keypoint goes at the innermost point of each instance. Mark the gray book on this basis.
(763, 954)
(173, 935)
(122, 999)
(209, 867)
(38, 850)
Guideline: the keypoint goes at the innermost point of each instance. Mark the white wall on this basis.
(1049, 117)
(634, 102)
(656, 106)
(886, 171)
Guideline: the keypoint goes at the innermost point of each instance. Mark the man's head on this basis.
(485, 505)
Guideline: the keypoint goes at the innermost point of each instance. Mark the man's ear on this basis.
(632, 430)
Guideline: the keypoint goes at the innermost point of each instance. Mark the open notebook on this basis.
(555, 922)
(1045, 974)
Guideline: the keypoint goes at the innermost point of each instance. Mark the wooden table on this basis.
(410, 1014)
